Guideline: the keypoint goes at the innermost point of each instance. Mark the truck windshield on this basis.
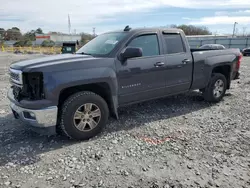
(102, 44)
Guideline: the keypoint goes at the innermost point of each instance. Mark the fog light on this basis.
(32, 115)
(29, 115)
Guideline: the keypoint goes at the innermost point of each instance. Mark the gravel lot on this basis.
(174, 142)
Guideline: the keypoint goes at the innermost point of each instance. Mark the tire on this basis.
(70, 111)
(209, 94)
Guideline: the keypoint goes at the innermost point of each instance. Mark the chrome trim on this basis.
(19, 73)
(15, 84)
(44, 118)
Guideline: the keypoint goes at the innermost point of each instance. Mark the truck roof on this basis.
(136, 30)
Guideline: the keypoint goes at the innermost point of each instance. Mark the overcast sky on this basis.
(105, 15)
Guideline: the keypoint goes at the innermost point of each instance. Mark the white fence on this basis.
(240, 43)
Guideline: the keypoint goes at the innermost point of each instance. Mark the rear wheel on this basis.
(216, 88)
(83, 115)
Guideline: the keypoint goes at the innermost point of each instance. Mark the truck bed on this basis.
(209, 53)
(198, 49)
(203, 59)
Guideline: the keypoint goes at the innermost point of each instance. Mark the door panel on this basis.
(179, 62)
(179, 76)
(142, 78)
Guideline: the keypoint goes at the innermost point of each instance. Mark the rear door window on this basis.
(174, 43)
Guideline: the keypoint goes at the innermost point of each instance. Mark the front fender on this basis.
(56, 82)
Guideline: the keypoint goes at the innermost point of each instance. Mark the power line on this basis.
(69, 24)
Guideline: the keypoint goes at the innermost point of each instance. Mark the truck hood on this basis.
(56, 62)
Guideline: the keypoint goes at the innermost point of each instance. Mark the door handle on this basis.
(185, 61)
(159, 64)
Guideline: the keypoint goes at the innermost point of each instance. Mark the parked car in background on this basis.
(213, 47)
(246, 51)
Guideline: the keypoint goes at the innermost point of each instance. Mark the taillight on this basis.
(239, 61)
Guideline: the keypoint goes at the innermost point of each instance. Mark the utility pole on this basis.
(94, 31)
(236, 31)
(69, 24)
(244, 30)
(234, 28)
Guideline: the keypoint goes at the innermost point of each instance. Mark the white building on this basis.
(57, 38)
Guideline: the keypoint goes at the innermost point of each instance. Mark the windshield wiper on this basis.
(83, 53)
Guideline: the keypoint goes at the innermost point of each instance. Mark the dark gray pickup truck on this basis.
(75, 94)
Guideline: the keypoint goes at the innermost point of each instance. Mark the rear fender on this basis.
(220, 61)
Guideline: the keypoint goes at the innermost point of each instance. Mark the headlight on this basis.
(16, 76)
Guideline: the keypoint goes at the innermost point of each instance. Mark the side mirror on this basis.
(130, 52)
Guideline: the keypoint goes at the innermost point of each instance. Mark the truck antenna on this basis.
(127, 28)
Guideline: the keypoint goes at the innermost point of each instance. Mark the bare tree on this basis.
(193, 30)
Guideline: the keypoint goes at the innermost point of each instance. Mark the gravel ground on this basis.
(175, 142)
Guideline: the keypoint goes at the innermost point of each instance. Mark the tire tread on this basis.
(61, 125)
(207, 94)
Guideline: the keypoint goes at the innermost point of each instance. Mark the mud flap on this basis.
(114, 106)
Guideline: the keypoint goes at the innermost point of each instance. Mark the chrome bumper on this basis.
(42, 118)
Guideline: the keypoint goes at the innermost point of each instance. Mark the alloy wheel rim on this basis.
(87, 117)
(218, 88)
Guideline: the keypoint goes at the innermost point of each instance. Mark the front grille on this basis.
(28, 86)
(16, 76)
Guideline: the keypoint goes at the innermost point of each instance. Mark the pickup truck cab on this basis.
(76, 93)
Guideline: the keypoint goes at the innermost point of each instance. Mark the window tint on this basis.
(102, 44)
(148, 43)
(174, 43)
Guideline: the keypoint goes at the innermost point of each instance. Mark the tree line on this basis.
(26, 39)
(14, 34)
(193, 30)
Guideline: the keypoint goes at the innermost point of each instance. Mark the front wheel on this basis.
(83, 115)
(216, 88)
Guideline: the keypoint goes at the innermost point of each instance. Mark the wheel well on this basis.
(225, 70)
(101, 89)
